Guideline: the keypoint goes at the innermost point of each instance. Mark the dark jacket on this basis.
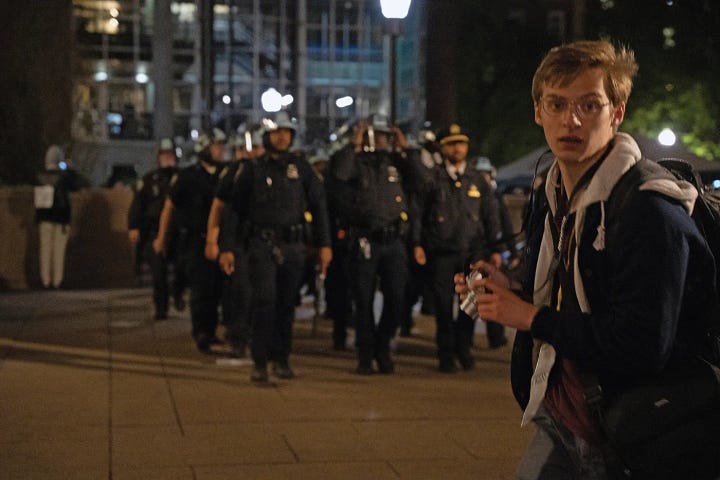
(643, 272)
(275, 192)
(379, 184)
(64, 182)
(147, 204)
(192, 191)
(458, 215)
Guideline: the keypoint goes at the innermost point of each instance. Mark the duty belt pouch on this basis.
(665, 427)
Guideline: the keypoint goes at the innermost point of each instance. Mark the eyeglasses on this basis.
(585, 108)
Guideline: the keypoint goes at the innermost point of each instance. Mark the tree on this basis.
(677, 49)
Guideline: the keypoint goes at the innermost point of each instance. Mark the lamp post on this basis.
(394, 11)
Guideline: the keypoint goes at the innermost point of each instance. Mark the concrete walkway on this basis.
(92, 388)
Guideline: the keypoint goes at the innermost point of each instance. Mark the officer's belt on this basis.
(290, 234)
(387, 234)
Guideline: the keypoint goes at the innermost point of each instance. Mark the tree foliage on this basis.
(686, 113)
(677, 45)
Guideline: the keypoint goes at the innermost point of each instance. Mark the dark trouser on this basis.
(453, 336)
(159, 271)
(389, 261)
(239, 293)
(174, 259)
(495, 334)
(274, 288)
(205, 288)
(413, 291)
(338, 294)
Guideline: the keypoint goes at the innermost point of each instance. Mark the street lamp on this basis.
(394, 11)
(667, 137)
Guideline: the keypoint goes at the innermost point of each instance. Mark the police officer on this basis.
(459, 221)
(143, 221)
(338, 292)
(375, 167)
(278, 195)
(226, 241)
(191, 194)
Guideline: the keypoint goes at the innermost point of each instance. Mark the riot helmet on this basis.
(282, 121)
(166, 153)
(210, 146)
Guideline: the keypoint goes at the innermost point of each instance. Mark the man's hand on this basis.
(461, 287)
(498, 303)
(419, 254)
(400, 140)
(490, 270)
(496, 259)
(212, 251)
(134, 235)
(227, 262)
(159, 246)
(359, 135)
(324, 258)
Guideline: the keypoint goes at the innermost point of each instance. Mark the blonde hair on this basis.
(563, 64)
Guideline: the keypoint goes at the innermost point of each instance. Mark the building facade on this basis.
(150, 68)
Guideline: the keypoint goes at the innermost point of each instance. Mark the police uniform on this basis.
(144, 216)
(191, 192)
(236, 288)
(338, 292)
(459, 222)
(278, 196)
(378, 217)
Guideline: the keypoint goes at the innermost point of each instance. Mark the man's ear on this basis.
(538, 119)
(618, 115)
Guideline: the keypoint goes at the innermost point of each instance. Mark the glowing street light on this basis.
(141, 77)
(395, 8)
(226, 99)
(271, 100)
(667, 137)
(343, 102)
(286, 100)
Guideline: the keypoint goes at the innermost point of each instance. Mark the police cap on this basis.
(454, 133)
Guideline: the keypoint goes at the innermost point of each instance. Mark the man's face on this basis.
(382, 141)
(217, 151)
(575, 140)
(455, 152)
(257, 150)
(166, 159)
(281, 139)
(241, 153)
(320, 166)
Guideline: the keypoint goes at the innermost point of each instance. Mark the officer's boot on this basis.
(282, 369)
(383, 358)
(463, 343)
(365, 355)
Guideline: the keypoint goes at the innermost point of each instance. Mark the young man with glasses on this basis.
(609, 292)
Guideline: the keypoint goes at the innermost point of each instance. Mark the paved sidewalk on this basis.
(92, 388)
